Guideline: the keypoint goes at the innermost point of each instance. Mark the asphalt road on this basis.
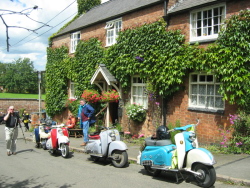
(33, 167)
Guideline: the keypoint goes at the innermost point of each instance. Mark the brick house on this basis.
(198, 20)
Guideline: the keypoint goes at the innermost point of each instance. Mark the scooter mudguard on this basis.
(157, 155)
(94, 147)
(63, 139)
(199, 155)
(117, 145)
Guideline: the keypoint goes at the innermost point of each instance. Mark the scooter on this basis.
(185, 158)
(41, 135)
(58, 140)
(108, 145)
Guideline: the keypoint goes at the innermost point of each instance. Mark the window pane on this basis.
(216, 11)
(194, 78)
(193, 100)
(194, 89)
(202, 100)
(202, 78)
(134, 90)
(210, 102)
(199, 15)
(210, 90)
(202, 89)
(219, 102)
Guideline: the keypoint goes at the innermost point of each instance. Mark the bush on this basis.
(240, 141)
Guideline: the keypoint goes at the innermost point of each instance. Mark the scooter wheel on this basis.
(152, 172)
(65, 150)
(207, 175)
(120, 158)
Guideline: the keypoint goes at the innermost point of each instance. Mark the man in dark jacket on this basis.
(85, 115)
(11, 132)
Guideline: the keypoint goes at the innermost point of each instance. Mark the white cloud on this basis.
(28, 44)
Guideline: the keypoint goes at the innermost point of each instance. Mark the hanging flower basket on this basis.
(91, 96)
(136, 112)
(110, 96)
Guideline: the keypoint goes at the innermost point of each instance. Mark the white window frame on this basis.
(74, 40)
(112, 30)
(205, 23)
(138, 94)
(72, 89)
(204, 86)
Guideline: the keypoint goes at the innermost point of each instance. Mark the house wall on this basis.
(132, 20)
(208, 128)
(182, 21)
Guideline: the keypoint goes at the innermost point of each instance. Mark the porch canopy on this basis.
(105, 81)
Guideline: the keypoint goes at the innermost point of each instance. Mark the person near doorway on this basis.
(85, 115)
(11, 132)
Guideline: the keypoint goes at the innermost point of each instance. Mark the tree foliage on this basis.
(86, 5)
(19, 76)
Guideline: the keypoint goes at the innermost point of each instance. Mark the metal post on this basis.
(39, 93)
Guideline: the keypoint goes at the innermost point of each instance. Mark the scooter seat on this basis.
(153, 142)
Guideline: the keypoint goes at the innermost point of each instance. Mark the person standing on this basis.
(85, 115)
(26, 120)
(11, 132)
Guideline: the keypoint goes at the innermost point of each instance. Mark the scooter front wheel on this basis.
(65, 150)
(151, 171)
(207, 175)
(119, 158)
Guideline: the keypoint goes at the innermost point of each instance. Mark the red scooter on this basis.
(58, 140)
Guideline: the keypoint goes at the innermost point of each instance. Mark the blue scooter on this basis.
(184, 158)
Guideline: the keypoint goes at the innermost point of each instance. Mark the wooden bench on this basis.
(77, 133)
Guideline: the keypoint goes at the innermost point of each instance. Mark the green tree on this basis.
(19, 77)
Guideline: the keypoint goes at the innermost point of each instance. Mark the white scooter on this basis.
(108, 145)
(58, 140)
(184, 158)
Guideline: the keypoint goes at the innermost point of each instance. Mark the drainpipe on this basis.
(166, 16)
(164, 111)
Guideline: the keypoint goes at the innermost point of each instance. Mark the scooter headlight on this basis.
(192, 136)
(112, 135)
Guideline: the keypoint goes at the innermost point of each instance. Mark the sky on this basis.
(27, 44)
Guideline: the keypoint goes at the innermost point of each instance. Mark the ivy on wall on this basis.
(152, 52)
(229, 58)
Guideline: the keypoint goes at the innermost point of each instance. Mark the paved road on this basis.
(33, 167)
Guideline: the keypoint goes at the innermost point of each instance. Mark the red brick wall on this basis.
(208, 129)
(30, 105)
(135, 19)
(182, 21)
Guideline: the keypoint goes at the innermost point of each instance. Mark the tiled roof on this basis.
(109, 10)
(188, 4)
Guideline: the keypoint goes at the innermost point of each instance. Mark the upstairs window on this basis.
(206, 23)
(74, 39)
(112, 30)
(138, 92)
(204, 92)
